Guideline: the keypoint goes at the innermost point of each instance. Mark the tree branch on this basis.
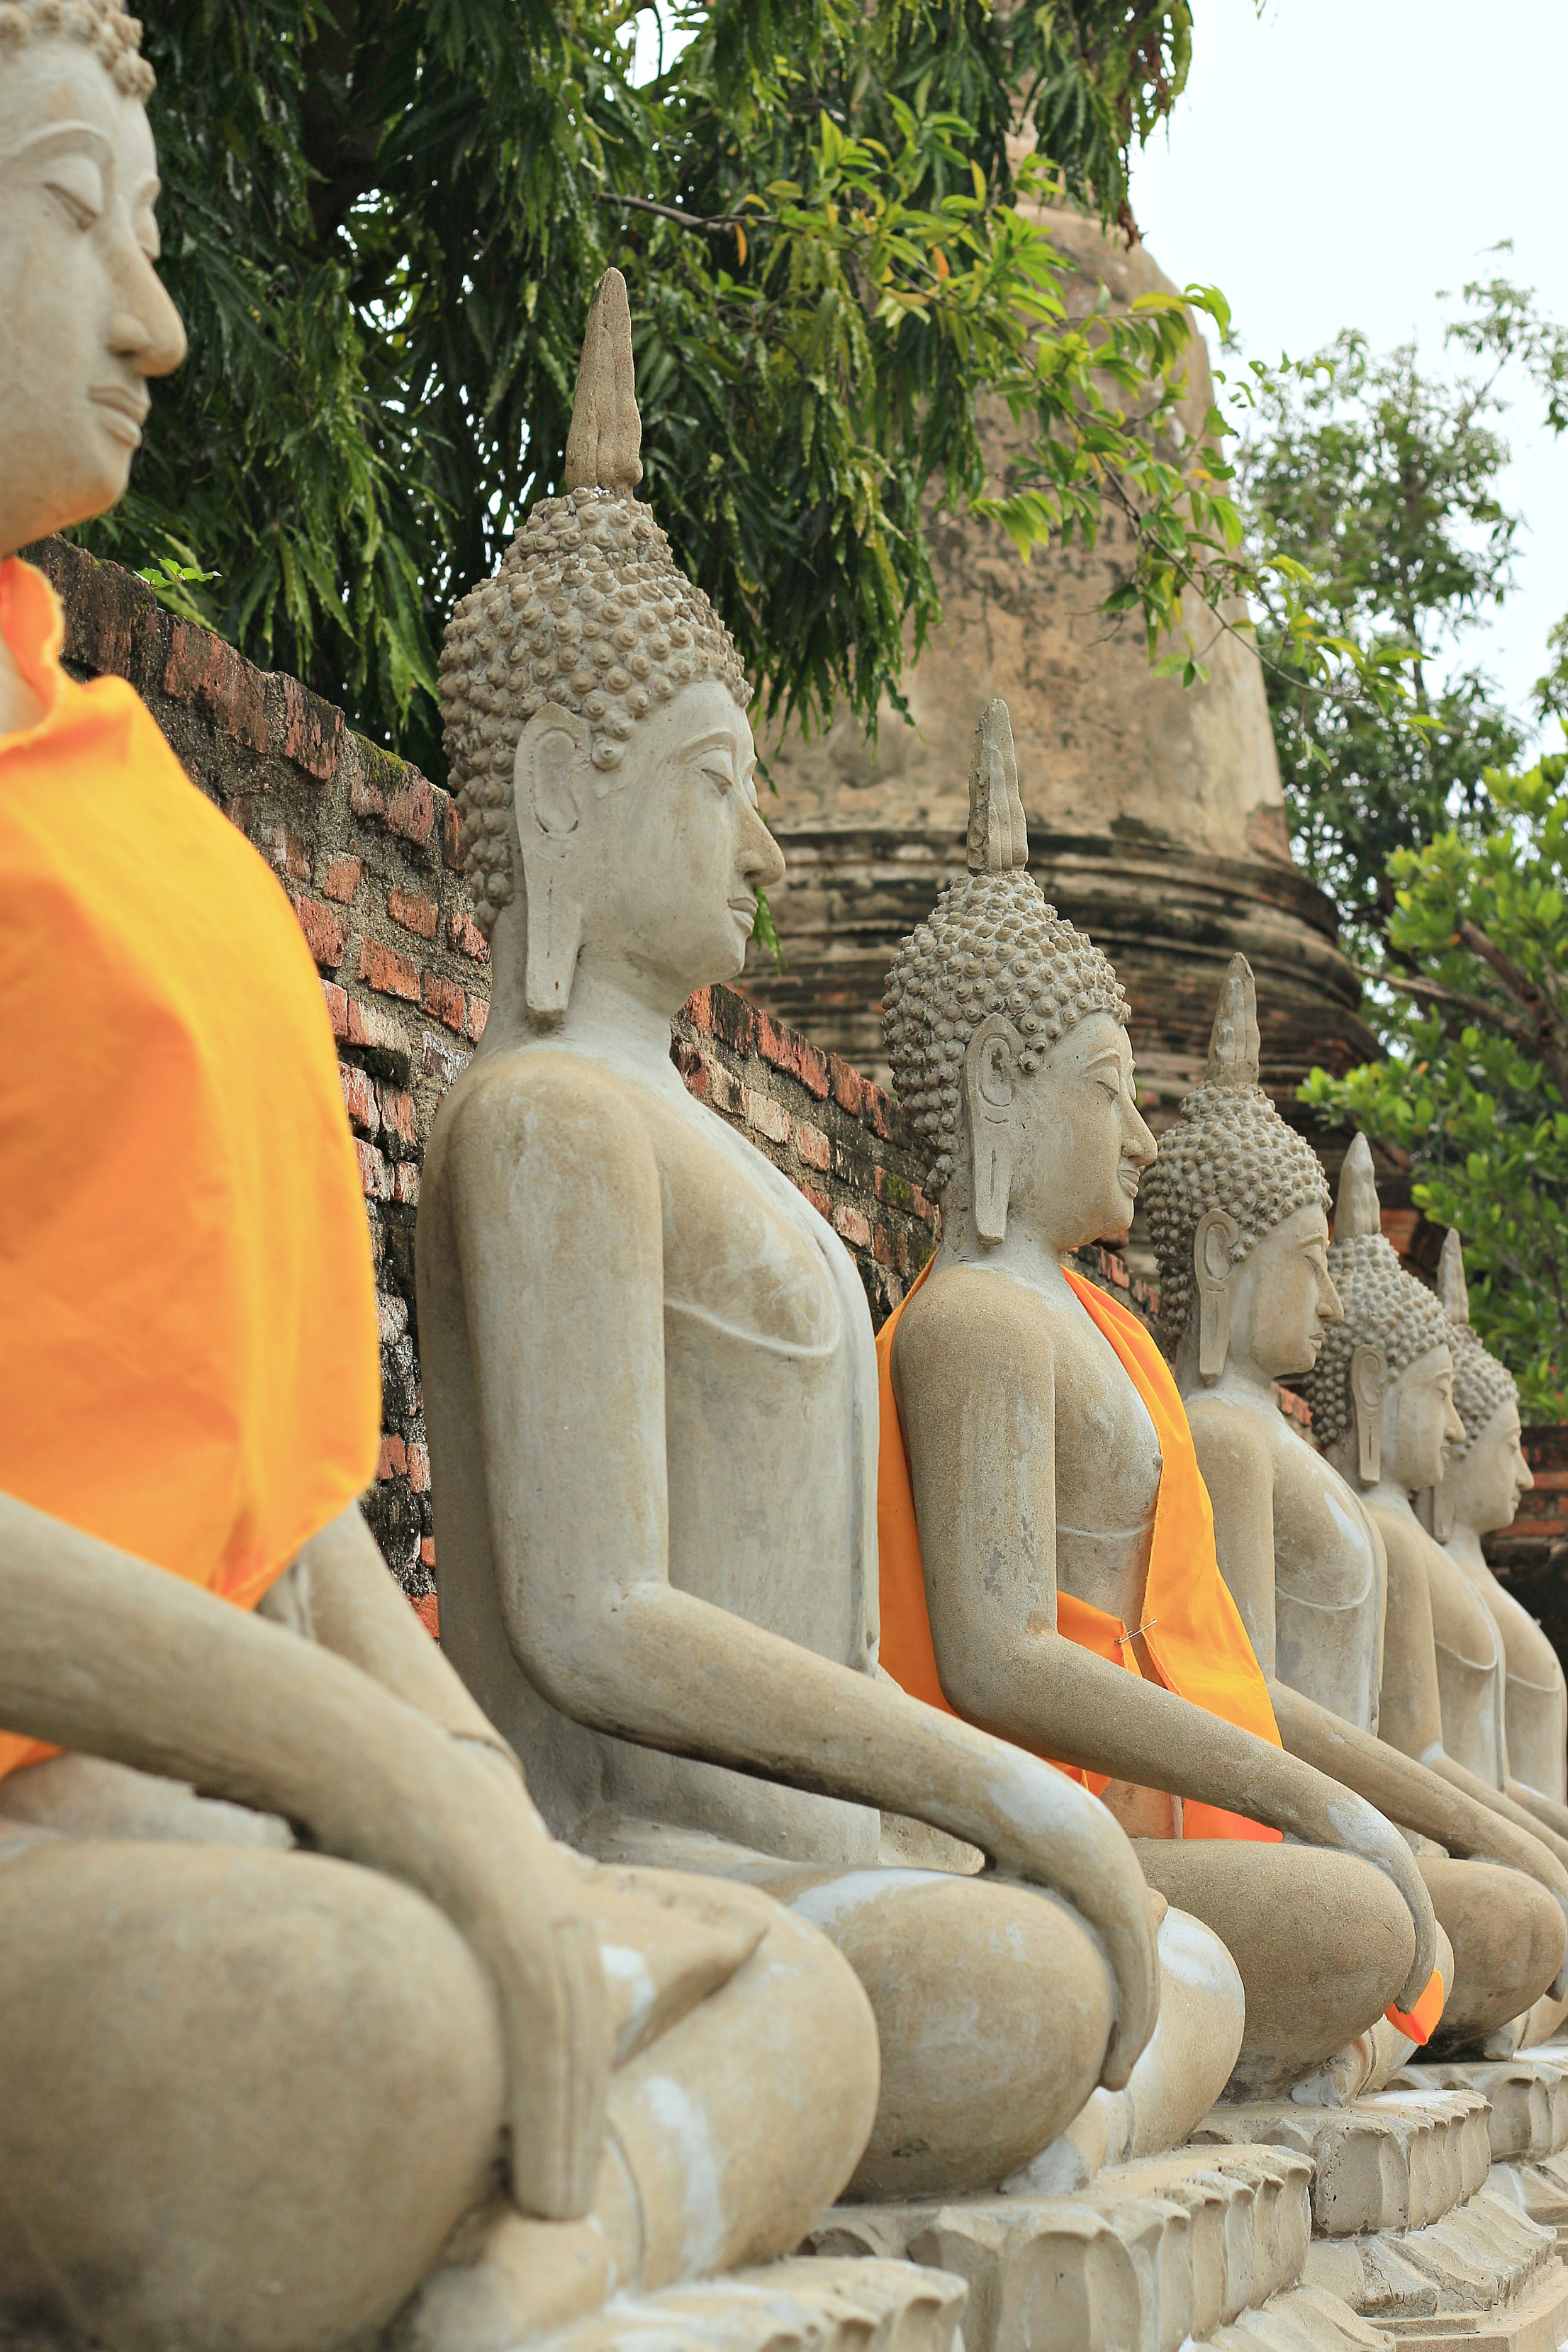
(703, 223)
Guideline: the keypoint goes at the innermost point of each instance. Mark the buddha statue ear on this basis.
(551, 792)
(1216, 1276)
(1369, 1383)
(990, 1089)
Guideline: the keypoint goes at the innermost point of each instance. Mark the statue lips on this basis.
(127, 409)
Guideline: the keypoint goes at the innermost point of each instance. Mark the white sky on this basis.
(1335, 162)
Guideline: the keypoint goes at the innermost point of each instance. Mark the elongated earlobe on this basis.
(1212, 1266)
(546, 801)
(988, 1093)
(1369, 1378)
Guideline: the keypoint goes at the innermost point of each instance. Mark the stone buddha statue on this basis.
(320, 2023)
(651, 1392)
(1478, 1496)
(1062, 1588)
(1238, 1210)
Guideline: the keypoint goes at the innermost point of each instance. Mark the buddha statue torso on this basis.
(1471, 1668)
(1535, 1702)
(768, 1367)
(1107, 1468)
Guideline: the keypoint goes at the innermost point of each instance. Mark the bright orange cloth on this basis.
(1198, 1643)
(1421, 2022)
(189, 1365)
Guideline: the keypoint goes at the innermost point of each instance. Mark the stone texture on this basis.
(795, 2306)
(1389, 2161)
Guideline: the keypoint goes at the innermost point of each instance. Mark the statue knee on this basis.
(239, 2067)
(993, 2007)
(1509, 1938)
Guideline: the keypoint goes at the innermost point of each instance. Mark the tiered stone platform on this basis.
(796, 2306)
(1527, 2126)
(1409, 2227)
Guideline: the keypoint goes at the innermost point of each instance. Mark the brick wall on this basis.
(366, 849)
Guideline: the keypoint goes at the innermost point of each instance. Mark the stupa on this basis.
(1155, 814)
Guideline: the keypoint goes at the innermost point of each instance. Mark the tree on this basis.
(1476, 1085)
(383, 221)
(1370, 489)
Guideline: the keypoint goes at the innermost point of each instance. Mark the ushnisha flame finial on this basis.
(603, 445)
(998, 838)
(1234, 1042)
(1357, 1210)
(1452, 1288)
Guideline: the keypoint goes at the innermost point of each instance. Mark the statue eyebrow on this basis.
(1106, 1054)
(718, 741)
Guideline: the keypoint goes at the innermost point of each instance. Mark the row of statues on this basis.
(888, 1776)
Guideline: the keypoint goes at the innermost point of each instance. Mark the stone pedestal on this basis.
(1409, 2227)
(794, 2306)
(1527, 2126)
(1203, 2246)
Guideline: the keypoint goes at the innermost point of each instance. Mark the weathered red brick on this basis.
(699, 1009)
(394, 1459)
(200, 669)
(465, 934)
(405, 1183)
(426, 1551)
(284, 850)
(359, 1098)
(374, 1175)
(426, 1607)
(397, 1113)
(850, 1224)
(884, 1247)
(413, 911)
(326, 933)
(848, 1085)
(437, 1059)
(337, 1009)
(786, 1049)
(419, 1468)
(373, 1025)
(444, 998)
(1116, 1268)
(412, 810)
(769, 1117)
(366, 798)
(819, 1201)
(387, 972)
(341, 879)
(311, 732)
(452, 835)
(478, 1013)
(876, 1111)
(812, 1145)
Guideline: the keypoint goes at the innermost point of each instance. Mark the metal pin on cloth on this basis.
(1120, 1638)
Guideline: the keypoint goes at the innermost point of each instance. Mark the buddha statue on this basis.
(1047, 1569)
(309, 2020)
(1237, 1210)
(1480, 1495)
(650, 1387)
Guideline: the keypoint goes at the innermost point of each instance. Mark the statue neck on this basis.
(1464, 1543)
(604, 1019)
(1242, 1381)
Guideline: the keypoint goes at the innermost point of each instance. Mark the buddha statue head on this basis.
(1381, 1390)
(1487, 1473)
(1007, 1039)
(84, 322)
(595, 724)
(1238, 1208)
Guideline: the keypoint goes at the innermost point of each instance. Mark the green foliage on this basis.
(1476, 1086)
(383, 219)
(1370, 488)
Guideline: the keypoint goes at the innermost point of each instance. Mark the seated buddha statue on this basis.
(1480, 1495)
(650, 1386)
(308, 2019)
(1238, 1212)
(1047, 1567)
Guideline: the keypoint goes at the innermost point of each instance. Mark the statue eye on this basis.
(75, 184)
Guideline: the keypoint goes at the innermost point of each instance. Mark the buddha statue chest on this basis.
(1470, 1670)
(1329, 1585)
(1108, 1469)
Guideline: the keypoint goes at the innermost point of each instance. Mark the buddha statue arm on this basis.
(1544, 1809)
(108, 1656)
(1237, 1473)
(982, 1455)
(557, 1218)
(358, 1612)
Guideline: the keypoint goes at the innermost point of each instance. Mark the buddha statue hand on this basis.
(108, 1656)
(1349, 1823)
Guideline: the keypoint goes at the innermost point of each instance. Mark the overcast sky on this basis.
(1335, 162)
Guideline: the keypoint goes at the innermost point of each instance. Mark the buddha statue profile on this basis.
(307, 2021)
(650, 1385)
(1047, 1569)
(1480, 1495)
(1238, 1210)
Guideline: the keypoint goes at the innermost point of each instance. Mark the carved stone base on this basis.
(795, 2306)
(1206, 2245)
(1527, 2128)
(1397, 2160)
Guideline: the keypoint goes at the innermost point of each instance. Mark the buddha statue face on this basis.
(1417, 1420)
(1281, 1297)
(84, 322)
(662, 862)
(1067, 1129)
(1486, 1478)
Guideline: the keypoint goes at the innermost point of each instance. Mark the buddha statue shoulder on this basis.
(1237, 1210)
(1480, 1495)
(309, 1992)
(651, 1383)
(1047, 1567)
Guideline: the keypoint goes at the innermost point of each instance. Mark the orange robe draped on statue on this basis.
(1197, 1640)
(189, 1366)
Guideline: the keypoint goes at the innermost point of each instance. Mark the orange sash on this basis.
(190, 1367)
(1199, 1645)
